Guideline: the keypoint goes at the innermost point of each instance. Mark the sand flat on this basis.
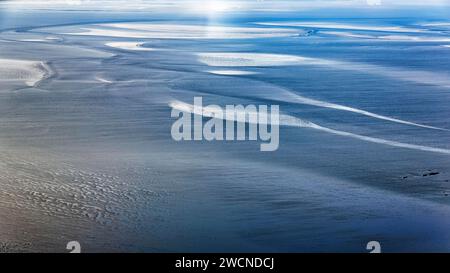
(29, 72)
(173, 31)
(241, 59)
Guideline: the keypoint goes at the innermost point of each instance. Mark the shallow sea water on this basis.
(87, 154)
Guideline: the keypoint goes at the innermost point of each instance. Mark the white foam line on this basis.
(287, 120)
(135, 46)
(33, 40)
(438, 24)
(348, 34)
(103, 80)
(384, 141)
(303, 100)
(333, 25)
(393, 38)
(46, 39)
(231, 72)
(406, 38)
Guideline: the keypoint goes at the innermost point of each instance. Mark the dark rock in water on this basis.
(430, 173)
(309, 33)
(423, 174)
